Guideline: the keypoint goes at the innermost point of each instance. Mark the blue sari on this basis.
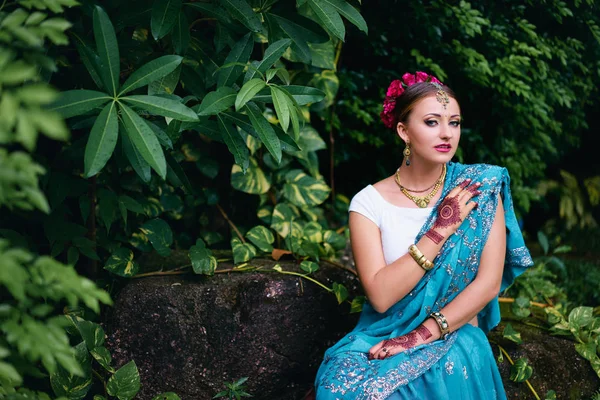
(463, 365)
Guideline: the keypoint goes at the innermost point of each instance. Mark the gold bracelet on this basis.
(419, 257)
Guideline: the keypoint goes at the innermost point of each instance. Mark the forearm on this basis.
(396, 280)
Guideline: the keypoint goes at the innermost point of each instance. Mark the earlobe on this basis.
(401, 131)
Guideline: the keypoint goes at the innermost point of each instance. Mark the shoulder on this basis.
(366, 203)
(365, 195)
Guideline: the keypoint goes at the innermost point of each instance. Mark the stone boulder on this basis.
(188, 334)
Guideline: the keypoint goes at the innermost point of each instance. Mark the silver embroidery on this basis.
(465, 372)
(449, 367)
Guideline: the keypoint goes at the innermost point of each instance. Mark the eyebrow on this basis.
(439, 116)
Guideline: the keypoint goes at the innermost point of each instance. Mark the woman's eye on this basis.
(431, 122)
(455, 123)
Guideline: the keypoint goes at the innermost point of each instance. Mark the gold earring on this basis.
(407, 153)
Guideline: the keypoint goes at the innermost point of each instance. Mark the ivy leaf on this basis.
(102, 355)
(520, 371)
(521, 307)
(92, 333)
(254, 181)
(121, 263)
(261, 237)
(167, 396)
(301, 189)
(203, 262)
(160, 235)
(357, 304)
(73, 386)
(581, 316)
(510, 334)
(242, 251)
(337, 241)
(125, 383)
(309, 266)
(341, 293)
(586, 350)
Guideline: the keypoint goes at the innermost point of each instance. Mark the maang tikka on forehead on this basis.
(441, 96)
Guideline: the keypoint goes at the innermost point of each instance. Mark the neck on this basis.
(420, 175)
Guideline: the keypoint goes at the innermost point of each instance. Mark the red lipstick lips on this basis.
(443, 148)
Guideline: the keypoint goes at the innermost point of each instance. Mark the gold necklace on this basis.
(416, 191)
(423, 202)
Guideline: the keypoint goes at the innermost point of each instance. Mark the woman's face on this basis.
(432, 131)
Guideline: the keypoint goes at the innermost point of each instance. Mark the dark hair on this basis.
(412, 94)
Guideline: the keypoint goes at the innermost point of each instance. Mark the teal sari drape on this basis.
(346, 373)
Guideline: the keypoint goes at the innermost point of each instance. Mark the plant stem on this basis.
(353, 272)
(101, 379)
(231, 223)
(526, 380)
(511, 300)
(306, 277)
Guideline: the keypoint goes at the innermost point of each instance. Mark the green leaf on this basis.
(235, 143)
(265, 131)
(121, 263)
(520, 371)
(9, 374)
(253, 181)
(102, 355)
(329, 17)
(350, 13)
(203, 262)
(510, 334)
(108, 50)
(241, 10)
(562, 249)
(280, 221)
(240, 53)
(586, 350)
(309, 266)
(337, 241)
(90, 59)
(543, 241)
(581, 316)
(77, 102)
(313, 231)
(521, 307)
(301, 189)
(164, 16)
(73, 386)
(282, 104)
(160, 235)
(161, 135)
(340, 291)
(217, 101)
(550, 395)
(242, 252)
(181, 34)
(140, 166)
(91, 333)
(178, 171)
(302, 94)
(161, 106)
(102, 140)
(261, 237)
(144, 140)
(272, 54)
(125, 383)
(151, 72)
(248, 91)
(357, 304)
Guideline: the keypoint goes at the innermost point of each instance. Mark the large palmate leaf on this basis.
(254, 181)
(102, 140)
(164, 17)
(90, 60)
(235, 143)
(301, 189)
(140, 166)
(329, 17)
(144, 140)
(108, 50)
(272, 54)
(77, 102)
(240, 54)
(349, 12)
(265, 131)
(241, 10)
(150, 72)
(161, 106)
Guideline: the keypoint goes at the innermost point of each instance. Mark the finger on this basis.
(373, 351)
(470, 207)
(469, 192)
(459, 188)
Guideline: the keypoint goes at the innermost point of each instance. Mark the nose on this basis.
(445, 131)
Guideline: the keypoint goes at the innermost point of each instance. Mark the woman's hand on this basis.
(390, 347)
(453, 210)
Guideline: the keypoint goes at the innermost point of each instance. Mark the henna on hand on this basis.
(448, 213)
(410, 339)
(434, 236)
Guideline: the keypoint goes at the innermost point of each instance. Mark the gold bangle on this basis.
(420, 258)
(442, 324)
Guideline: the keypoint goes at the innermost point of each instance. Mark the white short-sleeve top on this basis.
(399, 226)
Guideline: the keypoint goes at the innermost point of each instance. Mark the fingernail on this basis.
(476, 205)
(477, 192)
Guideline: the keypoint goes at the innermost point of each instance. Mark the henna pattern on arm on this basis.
(410, 339)
(448, 213)
(434, 236)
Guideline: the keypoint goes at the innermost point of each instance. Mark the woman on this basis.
(433, 244)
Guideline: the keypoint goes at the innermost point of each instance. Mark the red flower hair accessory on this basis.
(396, 89)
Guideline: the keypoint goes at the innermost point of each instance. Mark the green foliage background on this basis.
(239, 125)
